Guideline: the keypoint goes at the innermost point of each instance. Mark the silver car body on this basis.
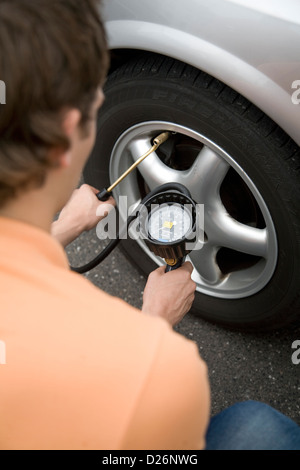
(253, 46)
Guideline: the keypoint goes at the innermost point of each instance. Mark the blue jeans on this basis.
(252, 425)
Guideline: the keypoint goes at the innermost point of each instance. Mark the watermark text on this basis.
(2, 92)
(296, 354)
(172, 226)
(296, 94)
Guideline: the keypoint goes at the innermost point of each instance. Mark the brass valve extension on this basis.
(105, 194)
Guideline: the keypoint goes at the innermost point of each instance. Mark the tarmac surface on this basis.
(241, 366)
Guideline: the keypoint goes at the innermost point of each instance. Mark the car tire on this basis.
(156, 89)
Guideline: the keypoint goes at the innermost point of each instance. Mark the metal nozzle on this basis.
(160, 139)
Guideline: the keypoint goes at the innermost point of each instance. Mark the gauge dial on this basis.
(169, 223)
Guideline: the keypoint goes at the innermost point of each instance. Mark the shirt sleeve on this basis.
(173, 408)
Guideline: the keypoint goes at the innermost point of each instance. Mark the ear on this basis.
(71, 121)
(70, 124)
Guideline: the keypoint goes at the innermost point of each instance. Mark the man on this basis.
(84, 370)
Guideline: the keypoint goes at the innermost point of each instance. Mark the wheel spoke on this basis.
(203, 179)
(205, 263)
(205, 176)
(227, 232)
(153, 170)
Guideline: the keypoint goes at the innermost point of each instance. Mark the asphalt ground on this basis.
(241, 366)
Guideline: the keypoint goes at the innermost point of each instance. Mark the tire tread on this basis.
(160, 67)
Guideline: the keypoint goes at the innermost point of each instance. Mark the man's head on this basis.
(53, 60)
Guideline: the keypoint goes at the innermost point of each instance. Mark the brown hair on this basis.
(53, 57)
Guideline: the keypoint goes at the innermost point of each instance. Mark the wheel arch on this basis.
(257, 87)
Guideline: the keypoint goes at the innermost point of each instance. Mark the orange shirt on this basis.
(85, 370)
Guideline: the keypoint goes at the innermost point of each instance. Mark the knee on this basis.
(252, 425)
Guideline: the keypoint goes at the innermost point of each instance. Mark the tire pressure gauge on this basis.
(168, 226)
(167, 219)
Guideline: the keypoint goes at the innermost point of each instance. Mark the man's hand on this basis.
(169, 295)
(81, 213)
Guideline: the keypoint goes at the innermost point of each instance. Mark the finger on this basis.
(104, 208)
(189, 304)
(87, 186)
(159, 271)
(187, 266)
(111, 201)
